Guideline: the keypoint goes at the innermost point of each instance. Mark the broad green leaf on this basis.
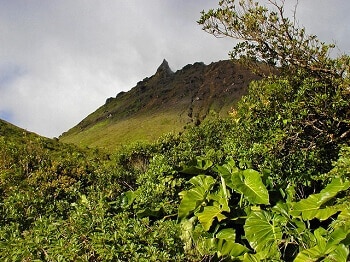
(327, 246)
(281, 208)
(343, 218)
(221, 198)
(194, 197)
(226, 244)
(281, 211)
(191, 199)
(321, 241)
(226, 171)
(238, 250)
(226, 234)
(321, 214)
(250, 185)
(312, 207)
(203, 164)
(299, 226)
(340, 254)
(247, 182)
(157, 212)
(127, 199)
(203, 181)
(219, 205)
(338, 235)
(310, 255)
(206, 217)
(248, 257)
(232, 249)
(263, 233)
(200, 167)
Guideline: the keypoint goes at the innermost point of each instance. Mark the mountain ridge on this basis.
(164, 102)
(10, 131)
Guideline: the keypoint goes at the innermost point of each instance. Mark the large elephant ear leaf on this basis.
(315, 206)
(209, 213)
(263, 233)
(226, 171)
(250, 185)
(328, 247)
(226, 244)
(199, 167)
(194, 197)
(203, 181)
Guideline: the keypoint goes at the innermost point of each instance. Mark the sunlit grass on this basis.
(139, 128)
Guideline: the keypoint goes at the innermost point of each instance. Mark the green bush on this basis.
(235, 216)
(293, 128)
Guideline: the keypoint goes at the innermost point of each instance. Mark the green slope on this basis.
(112, 135)
(165, 102)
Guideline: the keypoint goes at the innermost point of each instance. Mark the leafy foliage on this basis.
(268, 36)
(64, 203)
(305, 230)
(292, 129)
(269, 184)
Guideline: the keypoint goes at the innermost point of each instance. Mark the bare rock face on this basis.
(164, 70)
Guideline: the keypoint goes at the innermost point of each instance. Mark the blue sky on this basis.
(61, 59)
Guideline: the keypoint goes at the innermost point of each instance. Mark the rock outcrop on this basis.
(164, 70)
(188, 95)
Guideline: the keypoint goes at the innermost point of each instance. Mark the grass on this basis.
(141, 128)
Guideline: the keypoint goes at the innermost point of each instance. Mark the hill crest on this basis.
(166, 101)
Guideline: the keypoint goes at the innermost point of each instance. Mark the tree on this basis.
(296, 121)
(267, 35)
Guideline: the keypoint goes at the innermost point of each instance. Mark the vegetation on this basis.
(165, 102)
(267, 36)
(271, 183)
(113, 135)
(234, 214)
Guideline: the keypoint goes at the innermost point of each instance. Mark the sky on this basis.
(61, 59)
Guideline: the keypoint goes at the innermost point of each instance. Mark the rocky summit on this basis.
(165, 102)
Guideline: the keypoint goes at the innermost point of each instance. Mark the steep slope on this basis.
(25, 144)
(16, 134)
(164, 102)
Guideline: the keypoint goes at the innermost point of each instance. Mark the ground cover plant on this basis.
(270, 183)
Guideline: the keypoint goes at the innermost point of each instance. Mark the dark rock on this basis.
(164, 70)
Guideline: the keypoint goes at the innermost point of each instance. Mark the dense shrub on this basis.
(270, 183)
(293, 128)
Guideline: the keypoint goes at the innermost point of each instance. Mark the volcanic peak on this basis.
(164, 69)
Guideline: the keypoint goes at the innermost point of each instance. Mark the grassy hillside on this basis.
(14, 133)
(142, 128)
(165, 102)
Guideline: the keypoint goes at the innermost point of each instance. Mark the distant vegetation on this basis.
(270, 183)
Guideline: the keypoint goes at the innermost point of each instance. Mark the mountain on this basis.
(16, 134)
(165, 102)
(25, 144)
